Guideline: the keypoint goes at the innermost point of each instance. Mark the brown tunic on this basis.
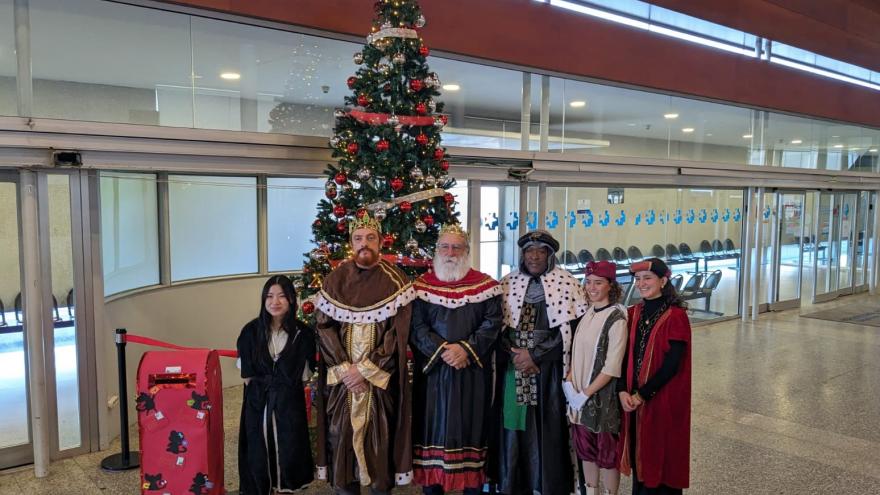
(363, 319)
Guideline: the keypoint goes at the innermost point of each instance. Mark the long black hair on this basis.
(290, 322)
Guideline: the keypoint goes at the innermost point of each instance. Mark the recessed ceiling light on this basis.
(578, 104)
(687, 130)
(796, 141)
(670, 116)
(835, 136)
(451, 87)
(631, 124)
(838, 146)
(230, 76)
(747, 136)
(873, 150)
(709, 134)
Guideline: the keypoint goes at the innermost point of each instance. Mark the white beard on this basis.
(451, 268)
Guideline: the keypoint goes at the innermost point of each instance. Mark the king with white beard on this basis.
(455, 327)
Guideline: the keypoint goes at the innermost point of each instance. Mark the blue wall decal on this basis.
(587, 218)
(552, 220)
(703, 215)
(714, 215)
(491, 222)
(571, 219)
(664, 217)
(532, 220)
(677, 217)
(652, 217)
(606, 218)
(638, 218)
(726, 216)
(621, 219)
(737, 215)
(766, 212)
(514, 224)
(691, 215)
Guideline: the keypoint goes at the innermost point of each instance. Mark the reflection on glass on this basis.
(13, 385)
(767, 219)
(791, 223)
(66, 375)
(8, 69)
(697, 232)
(848, 226)
(490, 231)
(213, 225)
(113, 67)
(292, 206)
(826, 251)
(129, 231)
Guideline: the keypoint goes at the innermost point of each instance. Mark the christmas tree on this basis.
(387, 143)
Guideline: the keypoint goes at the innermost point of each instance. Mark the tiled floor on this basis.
(784, 405)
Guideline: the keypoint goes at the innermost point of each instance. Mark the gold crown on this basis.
(364, 222)
(455, 228)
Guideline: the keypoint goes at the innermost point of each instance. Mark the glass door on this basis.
(15, 437)
(826, 246)
(849, 209)
(864, 234)
(499, 229)
(64, 213)
(788, 250)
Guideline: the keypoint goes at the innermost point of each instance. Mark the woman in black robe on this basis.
(274, 454)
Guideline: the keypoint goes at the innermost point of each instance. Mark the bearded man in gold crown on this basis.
(363, 321)
(455, 326)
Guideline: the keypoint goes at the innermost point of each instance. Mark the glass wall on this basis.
(697, 231)
(130, 64)
(8, 66)
(292, 207)
(129, 231)
(213, 226)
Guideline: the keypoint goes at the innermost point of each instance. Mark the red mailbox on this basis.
(180, 420)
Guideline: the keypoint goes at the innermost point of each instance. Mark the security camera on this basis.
(325, 89)
(66, 158)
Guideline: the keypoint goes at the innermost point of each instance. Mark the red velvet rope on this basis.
(137, 339)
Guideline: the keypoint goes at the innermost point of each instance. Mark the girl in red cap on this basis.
(597, 354)
(656, 390)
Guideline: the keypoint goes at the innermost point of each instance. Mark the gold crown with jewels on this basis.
(364, 222)
(455, 228)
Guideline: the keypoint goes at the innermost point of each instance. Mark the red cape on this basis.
(473, 283)
(664, 422)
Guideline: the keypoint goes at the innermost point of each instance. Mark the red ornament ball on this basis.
(422, 139)
(351, 81)
(421, 109)
(308, 307)
(340, 178)
(382, 145)
(339, 211)
(386, 88)
(387, 241)
(449, 198)
(363, 100)
(341, 226)
(405, 207)
(317, 223)
(361, 212)
(439, 153)
(423, 50)
(428, 219)
(416, 85)
(444, 165)
(396, 184)
(352, 148)
(444, 119)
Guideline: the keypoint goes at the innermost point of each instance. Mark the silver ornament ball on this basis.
(364, 174)
(421, 227)
(358, 58)
(393, 120)
(420, 22)
(412, 244)
(430, 181)
(416, 173)
(398, 58)
(380, 214)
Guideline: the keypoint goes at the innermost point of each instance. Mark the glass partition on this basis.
(8, 65)
(697, 231)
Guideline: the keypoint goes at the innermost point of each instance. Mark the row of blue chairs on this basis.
(672, 253)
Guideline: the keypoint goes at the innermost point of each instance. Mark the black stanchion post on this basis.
(126, 459)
